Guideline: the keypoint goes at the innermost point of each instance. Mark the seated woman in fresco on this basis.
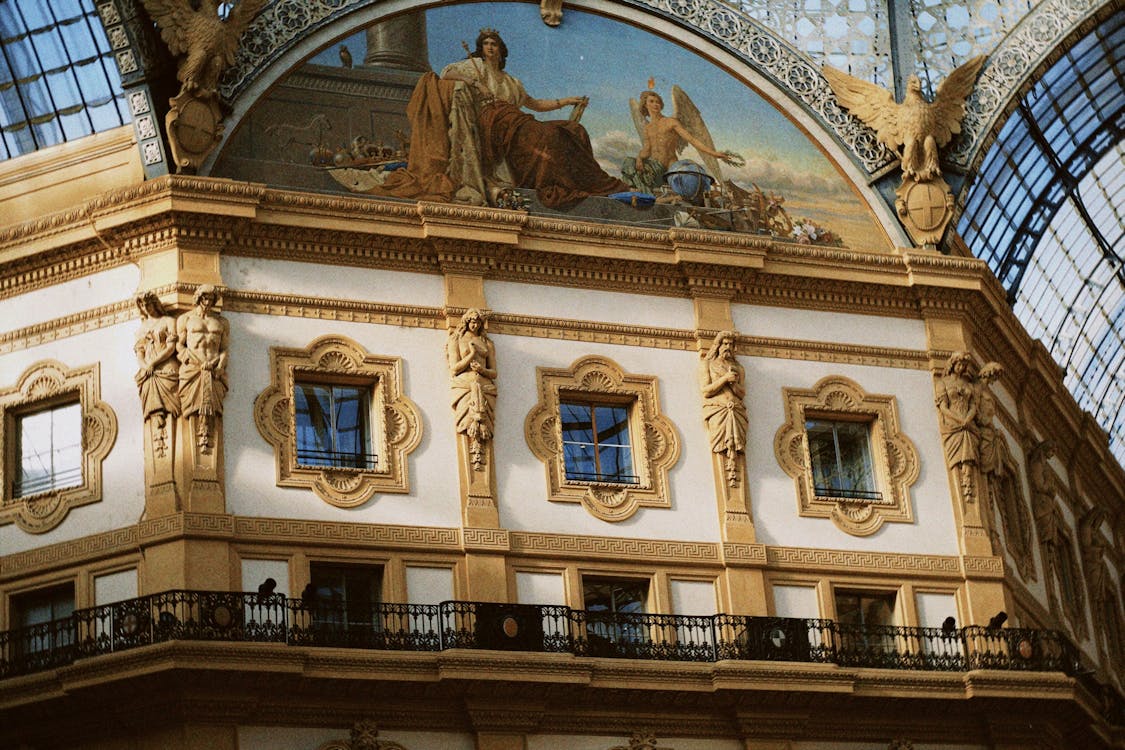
(470, 140)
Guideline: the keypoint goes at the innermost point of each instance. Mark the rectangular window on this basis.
(333, 425)
(347, 596)
(42, 617)
(865, 620)
(596, 445)
(841, 459)
(49, 444)
(612, 628)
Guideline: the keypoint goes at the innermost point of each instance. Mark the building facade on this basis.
(294, 460)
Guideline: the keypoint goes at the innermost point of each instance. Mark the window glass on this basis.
(865, 608)
(34, 610)
(841, 459)
(50, 450)
(332, 427)
(347, 595)
(596, 444)
(614, 595)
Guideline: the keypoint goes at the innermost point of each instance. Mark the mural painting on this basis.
(482, 104)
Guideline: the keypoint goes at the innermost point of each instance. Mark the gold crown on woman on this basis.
(489, 30)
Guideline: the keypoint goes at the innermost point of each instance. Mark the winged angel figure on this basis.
(205, 42)
(916, 126)
(663, 138)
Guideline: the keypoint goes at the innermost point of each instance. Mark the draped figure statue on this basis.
(722, 380)
(472, 366)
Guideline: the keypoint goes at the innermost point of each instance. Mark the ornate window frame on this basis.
(656, 445)
(894, 458)
(396, 424)
(44, 385)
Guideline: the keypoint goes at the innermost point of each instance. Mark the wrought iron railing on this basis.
(272, 618)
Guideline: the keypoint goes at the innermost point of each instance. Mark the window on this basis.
(346, 601)
(50, 450)
(613, 627)
(55, 432)
(840, 453)
(864, 621)
(43, 619)
(332, 425)
(847, 456)
(601, 437)
(596, 446)
(338, 421)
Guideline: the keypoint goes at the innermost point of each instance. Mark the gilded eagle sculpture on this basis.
(204, 43)
(916, 126)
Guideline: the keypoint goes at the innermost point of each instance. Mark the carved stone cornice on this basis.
(545, 544)
(829, 560)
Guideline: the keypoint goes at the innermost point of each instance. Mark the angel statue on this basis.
(919, 127)
(663, 138)
(205, 42)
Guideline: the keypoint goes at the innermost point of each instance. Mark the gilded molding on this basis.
(174, 525)
(654, 440)
(395, 422)
(93, 319)
(529, 543)
(852, 561)
(737, 553)
(74, 552)
(983, 567)
(320, 308)
(290, 530)
(893, 456)
(490, 540)
(50, 383)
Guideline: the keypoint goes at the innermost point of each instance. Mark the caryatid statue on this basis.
(202, 345)
(158, 376)
(722, 380)
(472, 367)
(957, 404)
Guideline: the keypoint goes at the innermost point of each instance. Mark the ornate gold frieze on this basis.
(290, 530)
(654, 442)
(847, 561)
(83, 550)
(395, 422)
(894, 460)
(49, 384)
(93, 319)
(530, 543)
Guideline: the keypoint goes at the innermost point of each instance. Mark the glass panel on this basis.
(50, 448)
(313, 405)
(616, 462)
(332, 425)
(578, 458)
(577, 423)
(613, 425)
(840, 454)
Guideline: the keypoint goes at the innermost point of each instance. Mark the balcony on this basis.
(249, 617)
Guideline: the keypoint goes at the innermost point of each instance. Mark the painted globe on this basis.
(689, 180)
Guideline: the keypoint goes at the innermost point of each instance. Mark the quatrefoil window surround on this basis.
(653, 443)
(388, 423)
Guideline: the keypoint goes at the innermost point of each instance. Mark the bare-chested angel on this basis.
(663, 138)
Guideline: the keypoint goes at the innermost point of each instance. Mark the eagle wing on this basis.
(948, 107)
(874, 105)
(175, 19)
(236, 23)
(688, 115)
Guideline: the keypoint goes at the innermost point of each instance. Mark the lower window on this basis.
(866, 620)
(42, 619)
(347, 596)
(612, 627)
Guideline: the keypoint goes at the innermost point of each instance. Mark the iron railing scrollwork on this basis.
(273, 618)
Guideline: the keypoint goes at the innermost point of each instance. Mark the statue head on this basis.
(206, 296)
(149, 305)
(722, 345)
(493, 34)
(990, 372)
(473, 321)
(960, 363)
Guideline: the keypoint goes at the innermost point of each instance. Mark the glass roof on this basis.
(1047, 212)
(58, 79)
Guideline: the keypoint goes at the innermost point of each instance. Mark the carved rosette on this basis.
(396, 423)
(656, 445)
(45, 384)
(893, 456)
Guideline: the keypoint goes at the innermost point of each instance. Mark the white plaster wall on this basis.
(836, 327)
(251, 469)
(123, 469)
(333, 282)
(69, 297)
(693, 597)
(589, 304)
(933, 608)
(774, 494)
(540, 588)
(115, 587)
(595, 742)
(428, 585)
(304, 738)
(255, 572)
(796, 601)
(521, 477)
